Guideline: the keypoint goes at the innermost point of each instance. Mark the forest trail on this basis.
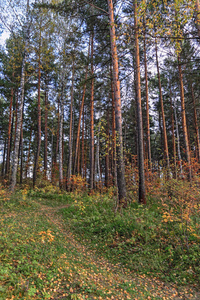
(100, 279)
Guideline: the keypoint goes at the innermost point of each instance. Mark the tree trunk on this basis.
(61, 141)
(114, 156)
(173, 136)
(147, 105)
(39, 119)
(142, 193)
(45, 127)
(92, 118)
(83, 146)
(166, 152)
(9, 134)
(195, 123)
(184, 123)
(20, 112)
(4, 158)
(121, 184)
(69, 171)
(178, 142)
(28, 156)
(80, 114)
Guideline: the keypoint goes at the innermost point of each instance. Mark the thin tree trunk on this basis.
(184, 123)
(69, 172)
(9, 133)
(166, 152)
(45, 128)
(4, 158)
(28, 157)
(92, 117)
(121, 184)
(173, 136)
(61, 141)
(195, 123)
(178, 142)
(39, 119)
(114, 156)
(107, 152)
(18, 128)
(142, 192)
(80, 114)
(83, 146)
(147, 105)
(22, 146)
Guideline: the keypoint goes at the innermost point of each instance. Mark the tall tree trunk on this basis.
(178, 142)
(195, 123)
(114, 156)
(45, 127)
(173, 136)
(69, 172)
(91, 185)
(166, 152)
(83, 146)
(80, 114)
(22, 149)
(4, 158)
(107, 173)
(147, 105)
(184, 123)
(9, 133)
(61, 141)
(121, 184)
(28, 156)
(20, 111)
(142, 193)
(39, 118)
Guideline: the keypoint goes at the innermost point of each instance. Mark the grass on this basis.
(55, 245)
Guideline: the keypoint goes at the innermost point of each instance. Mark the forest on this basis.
(99, 149)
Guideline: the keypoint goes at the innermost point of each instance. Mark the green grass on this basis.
(140, 238)
(64, 246)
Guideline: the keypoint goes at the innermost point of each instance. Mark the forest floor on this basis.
(41, 257)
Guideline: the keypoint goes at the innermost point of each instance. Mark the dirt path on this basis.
(98, 274)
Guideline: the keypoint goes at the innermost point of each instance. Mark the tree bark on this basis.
(173, 137)
(121, 184)
(195, 123)
(91, 183)
(61, 141)
(69, 171)
(166, 152)
(184, 123)
(39, 118)
(9, 133)
(142, 192)
(20, 112)
(147, 105)
(45, 127)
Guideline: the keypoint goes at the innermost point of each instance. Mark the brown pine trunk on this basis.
(147, 106)
(142, 193)
(184, 123)
(166, 152)
(121, 184)
(92, 117)
(45, 128)
(39, 120)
